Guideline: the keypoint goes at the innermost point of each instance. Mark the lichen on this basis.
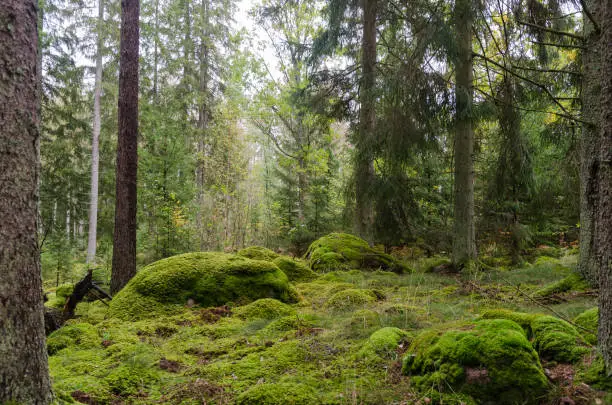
(296, 270)
(208, 279)
(490, 360)
(341, 251)
(350, 299)
(258, 253)
(279, 394)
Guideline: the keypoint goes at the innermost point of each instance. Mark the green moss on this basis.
(279, 394)
(553, 338)
(383, 343)
(296, 270)
(64, 291)
(81, 335)
(490, 360)
(265, 308)
(588, 321)
(365, 319)
(285, 324)
(593, 372)
(556, 339)
(126, 380)
(348, 300)
(553, 264)
(97, 390)
(209, 279)
(573, 282)
(258, 253)
(341, 251)
(431, 263)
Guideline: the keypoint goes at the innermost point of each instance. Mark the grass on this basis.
(308, 354)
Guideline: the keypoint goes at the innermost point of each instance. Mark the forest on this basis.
(306, 202)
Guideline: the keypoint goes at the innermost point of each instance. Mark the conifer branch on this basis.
(550, 30)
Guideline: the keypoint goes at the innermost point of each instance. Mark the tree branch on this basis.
(569, 72)
(556, 32)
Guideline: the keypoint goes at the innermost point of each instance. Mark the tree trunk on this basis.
(95, 145)
(464, 241)
(364, 166)
(589, 263)
(24, 375)
(124, 240)
(603, 227)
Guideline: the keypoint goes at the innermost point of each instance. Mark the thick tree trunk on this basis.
(464, 241)
(364, 165)
(24, 375)
(124, 240)
(603, 227)
(95, 145)
(588, 264)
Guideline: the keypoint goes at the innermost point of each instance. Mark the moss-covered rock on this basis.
(348, 300)
(553, 338)
(209, 279)
(593, 372)
(279, 394)
(296, 270)
(573, 282)
(265, 308)
(383, 343)
(81, 335)
(490, 360)
(588, 322)
(258, 253)
(341, 251)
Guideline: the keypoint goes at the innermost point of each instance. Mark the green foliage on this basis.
(209, 279)
(341, 251)
(490, 360)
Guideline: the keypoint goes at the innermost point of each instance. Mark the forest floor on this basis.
(315, 351)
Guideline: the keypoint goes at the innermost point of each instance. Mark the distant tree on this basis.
(124, 240)
(24, 376)
(464, 238)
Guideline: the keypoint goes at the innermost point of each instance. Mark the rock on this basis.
(489, 360)
(341, 251)
(296, 270)
(206, 278)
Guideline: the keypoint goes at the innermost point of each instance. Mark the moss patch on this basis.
(573, 282)
(258, 253)
(490, 360)
(209, 279)
(341, 251)
(383, 343)
(296, 270)
(265, 308)
(80, 335)
(588, 321)
(279, 394)
(348, 300)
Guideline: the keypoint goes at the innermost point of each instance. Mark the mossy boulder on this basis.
(279, 394)
(341, 251)
(258, 253)
(573, 282)
(489, 360)
(81, 335)
(588, 321)
(265, 308)
(383, 343)
(206, 278)
(348, 300)
(296, 270)
(553, 338)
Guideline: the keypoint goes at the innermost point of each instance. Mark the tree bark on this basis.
(24, 375)
(464, 240)
(603, 224)
(124, 240)
(95, 144)
(588, 263)
(364, 165)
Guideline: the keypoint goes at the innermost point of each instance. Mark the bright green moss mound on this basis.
(80, 335)
(341, 251)
(588, 321)
(573, 282)
(265, 308)
(295, 270)
(258, 253)
(383, 343)
(279, 394)
(553, 338)
(209, 279)
(490, 360)
(350, 299)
